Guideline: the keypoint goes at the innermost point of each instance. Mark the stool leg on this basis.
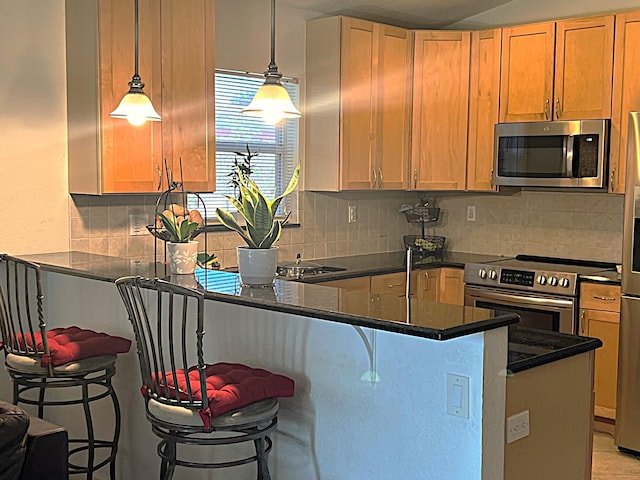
(41, 392)
(263, 467)
(90, 434)
(116, 433)
(168, 466)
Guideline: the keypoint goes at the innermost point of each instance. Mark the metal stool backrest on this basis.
(168, 323)
(22, 319)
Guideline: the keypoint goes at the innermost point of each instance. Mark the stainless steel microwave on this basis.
(569, 153)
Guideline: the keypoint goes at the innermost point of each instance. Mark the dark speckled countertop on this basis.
(527, 348)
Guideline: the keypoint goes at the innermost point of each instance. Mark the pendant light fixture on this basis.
(272, 102)
(135, 106)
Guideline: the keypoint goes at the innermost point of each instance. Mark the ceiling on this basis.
(404, 13)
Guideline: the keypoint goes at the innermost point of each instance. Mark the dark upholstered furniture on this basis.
(30, 448)
(39, 359)
(14, 423)
(188, 401)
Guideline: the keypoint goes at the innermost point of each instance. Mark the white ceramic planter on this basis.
(257, 266)
(182, 257)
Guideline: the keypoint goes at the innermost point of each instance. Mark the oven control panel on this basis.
(520, 279)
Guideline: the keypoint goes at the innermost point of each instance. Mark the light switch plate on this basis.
(457, 395)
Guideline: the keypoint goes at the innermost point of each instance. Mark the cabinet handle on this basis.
(546, 110)
(392, 285)
(606, 299)
(415, 178)
(169, 175)
(375, 178)
(558, 109)
(159, 176)
(491, 178)
(612, 175)
(379, 178)
(583, 326)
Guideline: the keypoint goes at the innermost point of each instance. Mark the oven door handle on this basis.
(486, 295)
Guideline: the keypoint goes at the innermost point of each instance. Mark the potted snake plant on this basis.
(258, 260)
(179, 233)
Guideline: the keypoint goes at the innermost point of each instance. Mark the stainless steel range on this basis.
(542, 290)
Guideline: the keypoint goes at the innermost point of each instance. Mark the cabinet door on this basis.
(108, 155)
(393, 110)
(626, 93)
(584, 68)
(440, 110)
(605, 326)
(428, 284)
(483, 107)
(527, 72)
(451, 288)
(358, 90)
(188, 67)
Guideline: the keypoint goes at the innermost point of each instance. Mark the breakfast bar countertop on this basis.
(415, 317)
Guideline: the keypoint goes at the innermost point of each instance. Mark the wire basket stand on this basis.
(423, 213)
(175, 194)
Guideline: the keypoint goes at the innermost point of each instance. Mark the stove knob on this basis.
(482, 273)
(542, 279)
(553, 281)
(492, 274)
(564, 282)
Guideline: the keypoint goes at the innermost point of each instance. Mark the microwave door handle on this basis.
(569, 139)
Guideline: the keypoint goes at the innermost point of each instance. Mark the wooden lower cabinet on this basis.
(559, 399)
(600, 318)
(444, 285)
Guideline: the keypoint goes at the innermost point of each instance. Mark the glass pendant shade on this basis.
(272, 102)
(136, 108)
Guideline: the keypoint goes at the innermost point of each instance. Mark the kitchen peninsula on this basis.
(372, 397)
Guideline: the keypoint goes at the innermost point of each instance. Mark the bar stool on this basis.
(185, 398)
(80, 361)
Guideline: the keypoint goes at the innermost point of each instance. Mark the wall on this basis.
(523, 11)
(33, 157)
(563, 224)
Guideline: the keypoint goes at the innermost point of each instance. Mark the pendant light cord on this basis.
(135, 33)
(273, 34)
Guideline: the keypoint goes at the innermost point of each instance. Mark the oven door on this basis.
(541, 311)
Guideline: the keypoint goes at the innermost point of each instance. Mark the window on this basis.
(276, 145)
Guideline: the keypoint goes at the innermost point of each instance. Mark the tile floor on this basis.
(609, 463)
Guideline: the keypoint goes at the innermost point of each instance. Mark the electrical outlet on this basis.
(353, 214)
(471, 213)
(138, 223)
(518, 426)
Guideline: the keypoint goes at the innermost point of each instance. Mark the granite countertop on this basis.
(527, 348)
(381, 263)
(609, 277)
(530, 348)
(414, 317)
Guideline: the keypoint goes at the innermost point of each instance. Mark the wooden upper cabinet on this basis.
(526, 89)
(395, 62)
(188, 98)
(109, 155)
(358, 105)
(626, 93)
(358, 91)
(440, 110)
(584, 68)
(557, 70)
(484, 107)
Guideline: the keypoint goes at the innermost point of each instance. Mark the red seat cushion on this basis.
(232, 385)
(70, 344)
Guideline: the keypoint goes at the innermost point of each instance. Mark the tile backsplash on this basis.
(563, 224)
